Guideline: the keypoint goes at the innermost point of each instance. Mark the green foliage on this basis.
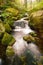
(6, 14)
(39, 6)
(12, 10)
(9, 21)
(8, 18)
(9, 13)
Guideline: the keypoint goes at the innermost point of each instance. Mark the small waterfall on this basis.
(20, 44)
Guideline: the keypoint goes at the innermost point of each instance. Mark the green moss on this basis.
(36, 24)
(25, 38)
(29, 38)
(8, 39)
(9, 51)
(12, 10)
(7, 28)
(9, 21)
(2, 29)
(36, 20)
(33, 34)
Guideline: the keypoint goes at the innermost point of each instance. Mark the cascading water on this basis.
(20, 45)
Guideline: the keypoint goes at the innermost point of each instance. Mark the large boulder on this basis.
(36, 24)
(37, 19)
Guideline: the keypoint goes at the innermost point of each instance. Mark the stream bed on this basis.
(21, 47)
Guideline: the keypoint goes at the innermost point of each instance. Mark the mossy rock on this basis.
(29, 38)
(10, 51)
(37, 19)
(8, 39)
(2, 29)
(10, 22)
(12, 10)
(36, 22)
(7, 28)
(33, 34)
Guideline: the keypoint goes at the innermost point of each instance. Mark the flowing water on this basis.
(20, 45)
